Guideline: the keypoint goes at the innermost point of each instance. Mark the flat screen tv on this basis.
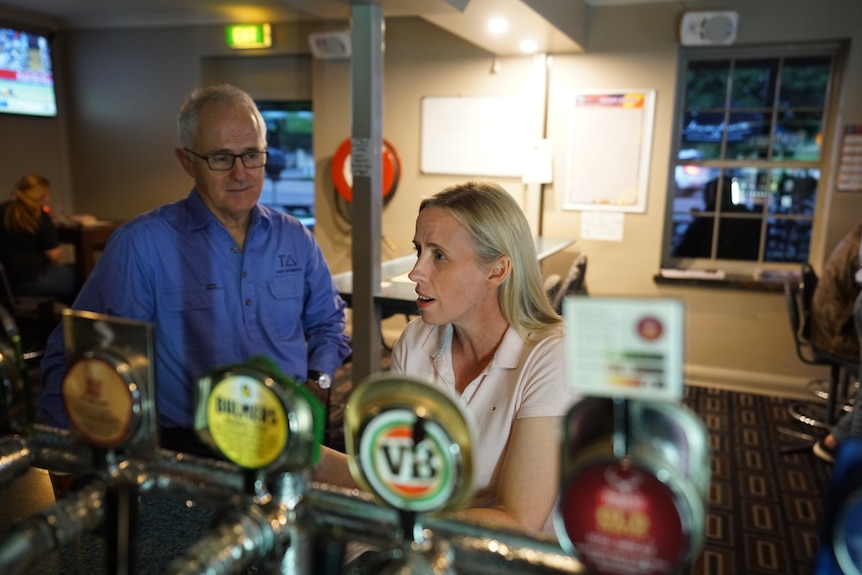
(26, 73)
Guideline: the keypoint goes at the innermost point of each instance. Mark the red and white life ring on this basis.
(342, 174)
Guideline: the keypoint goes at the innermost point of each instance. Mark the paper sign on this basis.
(624, 347)
(538, 167)
(606, 226)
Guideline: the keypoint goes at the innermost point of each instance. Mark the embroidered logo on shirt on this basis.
(286, 261)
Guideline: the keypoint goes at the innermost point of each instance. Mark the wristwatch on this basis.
(319, 378)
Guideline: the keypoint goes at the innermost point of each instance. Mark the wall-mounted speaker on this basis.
(708, 28)
(330, 45)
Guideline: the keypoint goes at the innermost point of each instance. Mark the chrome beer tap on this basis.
(270, 426)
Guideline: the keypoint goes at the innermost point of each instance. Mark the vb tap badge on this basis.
(410, 444)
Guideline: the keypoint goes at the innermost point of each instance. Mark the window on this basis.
(748, 154)
(289, 182)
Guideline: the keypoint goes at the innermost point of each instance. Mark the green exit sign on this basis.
(248, 36)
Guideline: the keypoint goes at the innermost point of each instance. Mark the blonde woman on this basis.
(29, 248)
(489, 335)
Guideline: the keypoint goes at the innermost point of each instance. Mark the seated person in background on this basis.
(488, 334)
(831, 318)
(29, 248)
(222, 277)
(836, 326)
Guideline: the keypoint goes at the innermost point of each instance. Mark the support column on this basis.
(366, 84)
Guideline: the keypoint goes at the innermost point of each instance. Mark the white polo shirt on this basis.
(524, 379)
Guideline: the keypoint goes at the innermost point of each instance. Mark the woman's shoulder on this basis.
(551, 336)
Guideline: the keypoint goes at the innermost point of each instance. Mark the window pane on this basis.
(787, 240)
(706, 84)
(702, 132)
(748, 136)
(739, 238)
(794, 192)
(751, 187)
(691, 178)
(693, 238)
(798, 136)
(753, 84)
(804, 81)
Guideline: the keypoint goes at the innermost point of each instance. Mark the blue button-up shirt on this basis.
(211, 303)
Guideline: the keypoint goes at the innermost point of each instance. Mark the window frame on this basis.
(831, 118)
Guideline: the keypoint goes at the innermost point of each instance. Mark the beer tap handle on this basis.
(15, 459)
(80, 511)
(622, 426)
(238, 541)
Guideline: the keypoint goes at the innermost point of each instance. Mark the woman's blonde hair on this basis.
(25, 209)
(498, 227)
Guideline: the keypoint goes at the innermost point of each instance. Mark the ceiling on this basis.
(465, 18)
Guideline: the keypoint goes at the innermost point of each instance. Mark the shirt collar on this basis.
(200, 214)
(508, 352)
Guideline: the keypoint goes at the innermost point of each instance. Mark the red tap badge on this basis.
(621, 519)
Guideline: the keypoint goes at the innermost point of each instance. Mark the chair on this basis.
(798, 297)
(574, 282)
(34, 317)
(551, 285)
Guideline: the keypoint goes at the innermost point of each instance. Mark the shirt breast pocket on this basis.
(200, 315)
(287, 293)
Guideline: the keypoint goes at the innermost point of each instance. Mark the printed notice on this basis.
(360, 157)
(849, 177)
(605, 226)
(624, 347)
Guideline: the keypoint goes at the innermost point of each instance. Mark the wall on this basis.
(125, 88)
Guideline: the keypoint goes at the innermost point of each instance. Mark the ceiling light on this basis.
(498, 26)
(529, 46)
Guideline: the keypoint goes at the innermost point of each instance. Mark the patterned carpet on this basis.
(764, 507)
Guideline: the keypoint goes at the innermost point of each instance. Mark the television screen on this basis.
(26, 74)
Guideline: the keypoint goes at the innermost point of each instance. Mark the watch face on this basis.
(324, 381)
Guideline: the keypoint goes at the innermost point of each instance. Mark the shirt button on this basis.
(248, 302)
(244, 274)
(234, 249)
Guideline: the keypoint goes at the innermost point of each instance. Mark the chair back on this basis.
(7, 296)
(573, 283)
(552, 285)
(791, 300)
(807, 285)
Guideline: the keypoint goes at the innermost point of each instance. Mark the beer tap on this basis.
(411, 446)
(16, 400)
(634, 463)
(270, 426)
(79, 511)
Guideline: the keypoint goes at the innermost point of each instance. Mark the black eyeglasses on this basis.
(224, 161)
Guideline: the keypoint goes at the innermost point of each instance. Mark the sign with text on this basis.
(624, 347)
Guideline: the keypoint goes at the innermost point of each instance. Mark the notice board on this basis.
(608, 139)
(473, 136)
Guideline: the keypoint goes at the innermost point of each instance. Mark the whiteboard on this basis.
(609, 134)
(473, 136)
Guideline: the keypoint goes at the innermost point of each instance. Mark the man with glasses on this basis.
(222, 277)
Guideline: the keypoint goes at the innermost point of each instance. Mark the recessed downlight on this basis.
(498, 26)
(529, 46)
